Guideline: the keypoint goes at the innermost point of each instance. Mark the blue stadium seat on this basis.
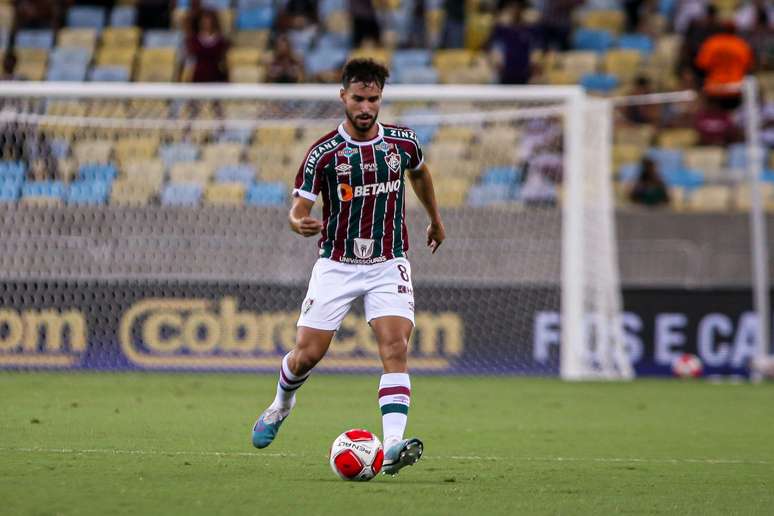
(484, 195)
(667, 160)
(12, 171)
(415, 57)
(123, 16)
(88, 192)
(737, 156)
(301, 41)
(175, 152)
(334, 40)
(5, 38)
(244, 174)
(162, 38)
(248, 4)
(267, 194)
(629, 172)
(425, 131)
(640, 42)
(86, 17)
(67, 72)
(688, 179)
(415, 75)
(236, 135)
(181, 194)
(326, 7)
(503, 176)
(591, 39)
(10, 191)
(105, 173)
(324, 60)
(109, 74)
(70, 56)
(55, 189)
(599, 82)
(255, 18)
(60, 147)
(43, 39)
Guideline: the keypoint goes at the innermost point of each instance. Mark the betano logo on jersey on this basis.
(347, 192)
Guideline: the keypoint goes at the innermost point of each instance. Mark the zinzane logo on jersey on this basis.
(364, 248)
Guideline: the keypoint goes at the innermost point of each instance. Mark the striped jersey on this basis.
(363, 194)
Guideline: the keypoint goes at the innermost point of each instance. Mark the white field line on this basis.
(258, 455)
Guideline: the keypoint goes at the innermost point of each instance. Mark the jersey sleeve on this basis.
(416, 155)
(309, 177)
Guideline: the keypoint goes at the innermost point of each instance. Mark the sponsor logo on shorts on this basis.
(364, 248)
(393, 161)
(405, 289)
(307, 305)
(358, 261)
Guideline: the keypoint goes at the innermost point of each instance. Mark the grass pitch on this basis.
(180, 444)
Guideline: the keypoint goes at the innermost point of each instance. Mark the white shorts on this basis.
(386, 288)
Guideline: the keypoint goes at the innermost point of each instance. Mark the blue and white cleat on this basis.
(268, 425)
(401, 454)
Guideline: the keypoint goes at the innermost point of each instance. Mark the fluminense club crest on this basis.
(393, 161)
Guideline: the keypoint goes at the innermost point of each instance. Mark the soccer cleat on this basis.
(267, 426)
(401, 454)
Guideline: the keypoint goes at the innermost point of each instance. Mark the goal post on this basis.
(523, 178)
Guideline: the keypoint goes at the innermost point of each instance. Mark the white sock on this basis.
(394, 401)
(287, 385)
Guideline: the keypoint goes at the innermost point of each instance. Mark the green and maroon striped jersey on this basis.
(363, 193)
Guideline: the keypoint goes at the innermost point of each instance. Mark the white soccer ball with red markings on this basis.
(687, 365)
(356, 455)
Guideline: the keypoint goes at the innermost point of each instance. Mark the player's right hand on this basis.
(309, 226)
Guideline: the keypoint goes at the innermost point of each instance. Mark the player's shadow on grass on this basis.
(385, 482)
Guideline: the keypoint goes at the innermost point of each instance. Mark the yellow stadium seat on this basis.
(709, 160)
(113, 56)
(677, 138)
(226, 19)
(247, 74)
(150, 56)
(148, 171)
(157, 65)
(641, 134)
(6, 16)
(380, 55)
(452, 192)
(31, 55)
(222, 153)
(31, 70)
(478, 29)
(449, 133)
(743, 197)
(603, 19)
(622, 63)
(131, 193)
(93, 151)
(709, 198)
(255, 39)
(83, 38)
(191, 172)
(766, 81)
(561, 77)
(245, 56)
(285, 135)
(452, 59)
(446, 151)
(455, 168)
(627, 153)
(579, 62)
(121, 37)
(137, 148)
(434, 20)
(225, 194)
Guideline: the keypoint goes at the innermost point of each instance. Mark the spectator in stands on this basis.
(644, 113)
(716, 126)
(510, 44)
(285, 66)
(749, 15)
(365, 25)
(417, 36)
(725, 58)
(9, 67)
(699, 29)
(556, 23)
(297, 13)
(154, 14)
(761, 40)
(38, 14)
(208, 47)
(686, 11)
(454, 24)
(633, 11)
(649, 189)
(193, 16)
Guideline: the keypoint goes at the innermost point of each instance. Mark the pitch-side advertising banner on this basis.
(203, 326)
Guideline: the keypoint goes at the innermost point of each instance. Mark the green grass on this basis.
(147, 443)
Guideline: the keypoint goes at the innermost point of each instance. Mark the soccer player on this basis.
(358, 169)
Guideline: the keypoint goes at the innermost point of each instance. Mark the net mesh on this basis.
(151, 233)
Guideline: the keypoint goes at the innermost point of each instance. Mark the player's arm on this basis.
(300, 218)
(422, 183)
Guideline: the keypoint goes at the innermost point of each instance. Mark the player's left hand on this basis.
(436, 234)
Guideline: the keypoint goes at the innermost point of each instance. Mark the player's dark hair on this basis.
(366, 71)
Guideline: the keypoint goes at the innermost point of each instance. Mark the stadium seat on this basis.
(579, 62)
(39, 39)
(742, 197)
(641, 134)
(267, 194)
(93, 151)
(709, 160)
(411, 58)
(157, 65)
(415, 75)
(10, 191)
(70, 56)
(86, 16)
(157, 38)
(109, 74)
(149, 172)
(96, 172)
(7, 16)
(5, 38)
(596, 40)
(247, 74)
(255, 39)
(245, 56)
(241, 135)
(326, 7)
(629, 172)
(123, 16)
(611, 20)
(87, 192)
(452, 192)
(128, 192)
(278, 135)
(444, 60)
(679, 138)
(737, 156)
(486, 195)
(248, 4)
(324, 60)
(623, 64)
(225, 194)
(12, 171)
(135, 148)
(599, 82)
(640, 42)
(667, 160)
(217, 154)
(255, 18)
(43, 191)
(181, 194)
(709, 198)
(504, 176)
(79, 38)
(240, 173)
(197, 172)
(121, 37)
(177, 152)
(684, 178)
(67, 72)
(450, 133)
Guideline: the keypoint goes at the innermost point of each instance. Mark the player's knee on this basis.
(304, 359)
(394, 349)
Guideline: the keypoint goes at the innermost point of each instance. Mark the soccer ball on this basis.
(687, 365)
(356, 455)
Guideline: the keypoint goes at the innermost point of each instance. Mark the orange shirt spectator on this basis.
(726, 58)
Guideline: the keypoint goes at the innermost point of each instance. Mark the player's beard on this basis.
(357, 124)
